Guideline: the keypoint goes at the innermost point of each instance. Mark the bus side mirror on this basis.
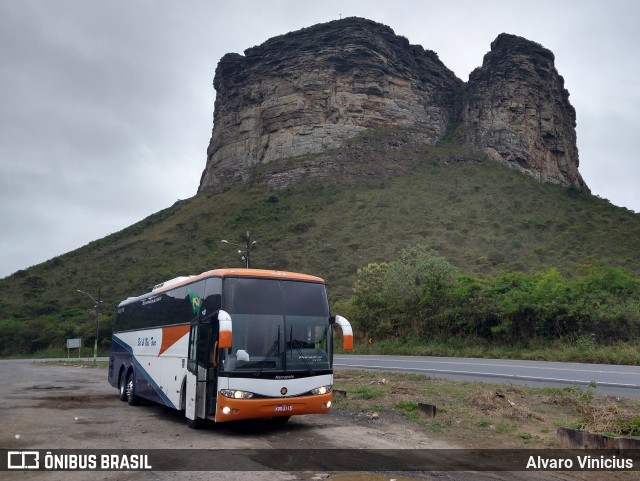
(225, 330)
(347, 333)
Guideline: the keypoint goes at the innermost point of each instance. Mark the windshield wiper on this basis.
(272, 350)
(294, 345)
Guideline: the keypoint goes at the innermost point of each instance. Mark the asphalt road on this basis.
(622, 381)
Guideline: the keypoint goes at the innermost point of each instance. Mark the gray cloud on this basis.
(106, 106)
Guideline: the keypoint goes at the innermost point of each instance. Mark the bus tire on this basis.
(196, 423)
(122, 386)
(132, 399)
(280, 420)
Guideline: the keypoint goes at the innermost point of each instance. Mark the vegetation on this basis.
(496, 232)
(472, 415)
(422, 297)
(561, 350)
(84, 363)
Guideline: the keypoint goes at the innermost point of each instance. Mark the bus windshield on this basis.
(278, 325)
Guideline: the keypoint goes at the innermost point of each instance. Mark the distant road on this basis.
(623, 381)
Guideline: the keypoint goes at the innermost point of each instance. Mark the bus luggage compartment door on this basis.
(191, 396)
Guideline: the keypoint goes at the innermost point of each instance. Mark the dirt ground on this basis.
(476, 415)
(62, 407)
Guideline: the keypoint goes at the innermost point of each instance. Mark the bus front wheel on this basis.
(280, 420)
(196, 423)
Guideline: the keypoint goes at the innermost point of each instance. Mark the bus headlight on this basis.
(322, 390)
(236, 394)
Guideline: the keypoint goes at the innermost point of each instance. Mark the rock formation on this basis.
(518, 111)
(310, 91)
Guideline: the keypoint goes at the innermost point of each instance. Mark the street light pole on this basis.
(97, 308)
(248, 245)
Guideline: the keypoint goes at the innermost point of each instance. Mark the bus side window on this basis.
(178, 306)
(212, 301)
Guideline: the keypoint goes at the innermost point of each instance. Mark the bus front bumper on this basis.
(228, 409)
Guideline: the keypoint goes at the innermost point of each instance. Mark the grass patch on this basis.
(366, 392)
(622, 353)
(61, 354)
(76, 363)
(407, 406)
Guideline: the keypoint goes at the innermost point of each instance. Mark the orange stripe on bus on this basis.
(171, 335)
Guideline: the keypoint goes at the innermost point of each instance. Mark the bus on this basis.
(229, 344)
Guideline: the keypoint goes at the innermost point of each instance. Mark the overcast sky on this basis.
(106, 106)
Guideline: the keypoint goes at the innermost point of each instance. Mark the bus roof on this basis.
(260, 273)
(228, 272)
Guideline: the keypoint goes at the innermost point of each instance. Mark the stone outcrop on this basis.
(518, 111)
(310, 91)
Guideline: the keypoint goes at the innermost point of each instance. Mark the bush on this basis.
(402, 296)
(422, 295)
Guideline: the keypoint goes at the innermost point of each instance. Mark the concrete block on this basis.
(427, 411)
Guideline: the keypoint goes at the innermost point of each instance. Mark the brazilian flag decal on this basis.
(196, 302)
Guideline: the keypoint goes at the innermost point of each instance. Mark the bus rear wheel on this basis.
(122, 386)
(132, 399)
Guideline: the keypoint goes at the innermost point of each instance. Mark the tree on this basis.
(399, 297)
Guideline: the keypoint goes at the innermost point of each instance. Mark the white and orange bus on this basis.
(229, 344)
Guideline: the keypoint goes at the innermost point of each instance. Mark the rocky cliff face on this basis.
(518, 111)
(310, 91)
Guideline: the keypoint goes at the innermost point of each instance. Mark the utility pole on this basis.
(97, 308)
(248, 247)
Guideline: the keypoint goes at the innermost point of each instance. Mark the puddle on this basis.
(369, 477)
(74, 402)
(48, 388)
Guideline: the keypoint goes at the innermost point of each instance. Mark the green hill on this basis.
(483, 218)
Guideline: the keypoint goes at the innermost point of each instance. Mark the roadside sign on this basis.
(74, 344)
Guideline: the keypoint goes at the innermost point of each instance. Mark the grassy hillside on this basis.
(484, 218)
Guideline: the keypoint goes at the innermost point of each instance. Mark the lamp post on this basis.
(248, 245)
(97, 308)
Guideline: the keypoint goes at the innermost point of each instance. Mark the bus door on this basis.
(201, 371)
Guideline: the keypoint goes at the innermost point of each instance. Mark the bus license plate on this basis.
(281, 408)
